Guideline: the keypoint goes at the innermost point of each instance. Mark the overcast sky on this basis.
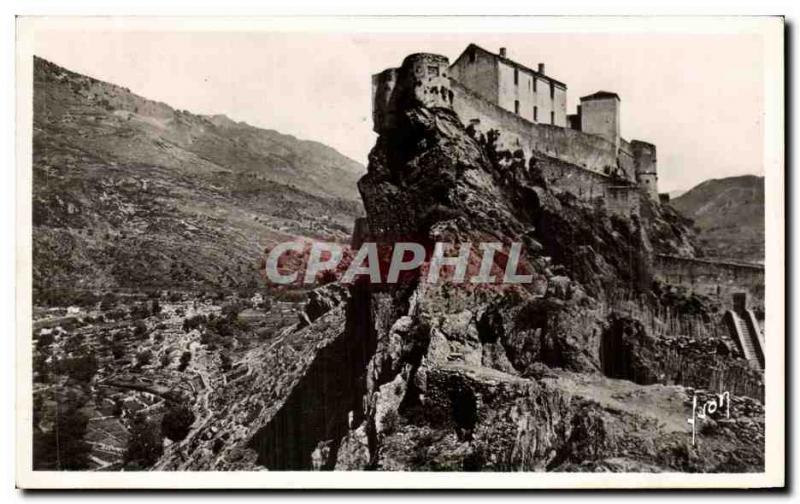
(699, 98)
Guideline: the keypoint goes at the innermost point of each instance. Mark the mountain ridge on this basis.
(728, 213)
(129, 192)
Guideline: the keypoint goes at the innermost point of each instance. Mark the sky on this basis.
(698, 97)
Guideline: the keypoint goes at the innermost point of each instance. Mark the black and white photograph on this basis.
(547, 248)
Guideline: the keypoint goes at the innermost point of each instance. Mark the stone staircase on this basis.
(748, 338)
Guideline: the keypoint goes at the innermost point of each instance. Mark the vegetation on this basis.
(177, 422)
(145, 444)
(82, 368)
(62, 447)
(186, 357)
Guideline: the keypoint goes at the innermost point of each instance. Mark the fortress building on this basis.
(528, 108)
(528, 93)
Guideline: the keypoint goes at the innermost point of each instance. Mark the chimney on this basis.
(541, 68)
(503, 52)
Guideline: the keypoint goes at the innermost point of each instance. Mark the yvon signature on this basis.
(710, 406)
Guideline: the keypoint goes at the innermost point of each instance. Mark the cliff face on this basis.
(557, 375)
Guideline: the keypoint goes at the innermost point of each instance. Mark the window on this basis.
(534, 84)
(535, 114)
(472, 56)
(516, 106)
(516, 77)
(433, 71)
(552, 90)
(552, 117)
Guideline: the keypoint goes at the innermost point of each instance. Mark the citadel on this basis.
(527, 110)
(522, 113)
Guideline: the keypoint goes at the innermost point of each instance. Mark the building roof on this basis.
(512, 63)
(600, 95)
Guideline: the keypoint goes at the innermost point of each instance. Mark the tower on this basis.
(599, 113)
(644, 163)
(422, 79)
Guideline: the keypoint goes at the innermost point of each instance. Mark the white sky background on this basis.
(699, 98)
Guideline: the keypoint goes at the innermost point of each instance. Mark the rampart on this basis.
(711, 278)
(616, 196)
(588, 151)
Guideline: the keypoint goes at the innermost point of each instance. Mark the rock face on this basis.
(581, 370)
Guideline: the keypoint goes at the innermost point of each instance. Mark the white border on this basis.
(770, 28)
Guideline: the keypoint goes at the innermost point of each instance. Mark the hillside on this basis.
(729, 216)
(130, 193)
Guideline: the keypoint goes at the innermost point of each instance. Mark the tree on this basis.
(145, 444)
(62, 448)
(186, 357)
(117, 350)
(225, 362)
(177, 422)
(166, 359)
(41, 367)
(73, 343)
(45, 340)
(140, 329)
(144, 358)
(82, 368)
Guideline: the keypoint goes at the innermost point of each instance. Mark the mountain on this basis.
(131, 193)
(729, 216)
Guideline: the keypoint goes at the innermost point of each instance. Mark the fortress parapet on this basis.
(421, 79)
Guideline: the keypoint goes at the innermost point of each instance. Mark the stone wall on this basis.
(575, 147)
(615, 196)
(716, 279)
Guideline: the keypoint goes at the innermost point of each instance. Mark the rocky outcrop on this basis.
(547, 376)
